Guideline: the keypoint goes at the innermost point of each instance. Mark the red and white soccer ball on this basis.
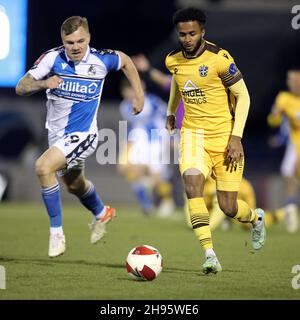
(144, 263)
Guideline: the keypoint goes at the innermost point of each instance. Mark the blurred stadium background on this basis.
(258, 33)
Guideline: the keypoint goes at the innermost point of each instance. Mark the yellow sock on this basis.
(245, 214)
(200, 221)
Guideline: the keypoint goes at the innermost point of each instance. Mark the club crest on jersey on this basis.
(203, 70)
(92, 70)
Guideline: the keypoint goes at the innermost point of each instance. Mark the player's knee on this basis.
(228, 207)
(42, 168)
(192, 189)
(193, 184)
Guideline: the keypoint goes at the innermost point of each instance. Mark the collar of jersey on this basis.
(84, 59)
(199, 54)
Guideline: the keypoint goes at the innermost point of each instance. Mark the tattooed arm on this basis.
(28, 85)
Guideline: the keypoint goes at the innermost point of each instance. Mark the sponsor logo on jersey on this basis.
(64, 65)
(191, 93)
(203, 70)
(78, 89)
(76, 86)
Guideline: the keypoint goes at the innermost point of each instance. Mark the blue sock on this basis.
(52, 201)
(92, 201)
(142, 196)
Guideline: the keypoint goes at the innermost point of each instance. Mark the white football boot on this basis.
(57, 245)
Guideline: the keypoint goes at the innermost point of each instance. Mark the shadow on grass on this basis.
(198, 272)
(52, 262)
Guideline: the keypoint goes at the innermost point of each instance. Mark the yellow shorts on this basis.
(208, 155)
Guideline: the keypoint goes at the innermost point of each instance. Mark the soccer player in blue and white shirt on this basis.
(73, 76)
(145, 154)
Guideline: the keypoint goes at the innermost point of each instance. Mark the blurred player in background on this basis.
(216, 100)
(163, 81)
(140, 161)
(286, 113)
(73, 76)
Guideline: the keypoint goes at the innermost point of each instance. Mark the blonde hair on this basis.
(71, 24)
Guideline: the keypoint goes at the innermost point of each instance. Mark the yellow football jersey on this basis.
(289, 104)
(203, 83)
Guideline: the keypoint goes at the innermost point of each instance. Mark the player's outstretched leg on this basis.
(98, 225)
(45, 168)
(240, 210)
(200, 223)
(257, 219)
(78, 185)
(52, 201)
(199, 216)
(258, 231)
(102, 214)
(211, 265)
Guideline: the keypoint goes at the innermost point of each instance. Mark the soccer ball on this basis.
(144, 263)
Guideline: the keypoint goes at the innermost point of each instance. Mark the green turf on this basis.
(88, 271)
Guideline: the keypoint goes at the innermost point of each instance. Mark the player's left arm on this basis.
(235, 148)
(233, 80)
(132, 75)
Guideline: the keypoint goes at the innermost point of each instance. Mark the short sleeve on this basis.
(171, 62)
(167, 62)
(43, 65)
(111, 59)
(227, 69)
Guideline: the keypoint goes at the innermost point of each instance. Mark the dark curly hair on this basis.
(189, 14)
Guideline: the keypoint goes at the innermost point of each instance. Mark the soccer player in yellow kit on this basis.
(216, 103)
(287, 104)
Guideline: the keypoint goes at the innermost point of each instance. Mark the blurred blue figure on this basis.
(143, 162)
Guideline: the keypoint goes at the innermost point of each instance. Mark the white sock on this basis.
(56, 230)
(99, 215)
(209, 253)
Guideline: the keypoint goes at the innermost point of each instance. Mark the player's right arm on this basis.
(132, 75)
(37, 78)
(28, 85)
(173, 103)
(158, 77)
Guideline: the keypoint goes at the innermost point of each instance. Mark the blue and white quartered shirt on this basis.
(73, 106)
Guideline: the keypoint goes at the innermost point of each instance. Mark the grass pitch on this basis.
(88, 271)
